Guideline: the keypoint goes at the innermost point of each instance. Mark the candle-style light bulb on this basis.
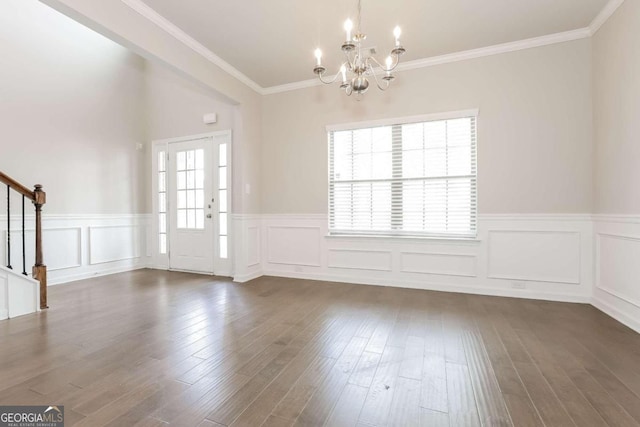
(343, 70)
(348, 26)
(396, 33)
(318, 54)
(389, 62)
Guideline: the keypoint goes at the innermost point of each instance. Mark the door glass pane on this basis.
(182, 180)
(162, 185)
(199, 218)
(191, 179)
(223, 247)
(162, 202)
(182, 218)
(181, 161)
(182, 199)
(223, 200)
(200, 199)
(191, 159)
(199, 178)
(191, 218)
(162, 244)
(223, 224)
(162, 223)
(191, 199)
(200, 159)
(161, 161)
(223, 177)
(223, 154)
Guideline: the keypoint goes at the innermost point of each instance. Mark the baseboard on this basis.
(439, 287)
(96, 273)
(618, 315)
(243, 278)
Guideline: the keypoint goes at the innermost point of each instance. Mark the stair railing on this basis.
(38, 198)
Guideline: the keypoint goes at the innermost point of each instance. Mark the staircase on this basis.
(19, 293)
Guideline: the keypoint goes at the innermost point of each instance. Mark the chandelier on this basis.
(360, 65)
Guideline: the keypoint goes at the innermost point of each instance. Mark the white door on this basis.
(191, 205)
(192, 186)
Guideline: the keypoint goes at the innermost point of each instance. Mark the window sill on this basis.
(406, 239)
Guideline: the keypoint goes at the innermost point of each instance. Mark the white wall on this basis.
(534, 129)
(616, 92)
(174, 106)
(135, 31)
(71, 112)
(616, 88)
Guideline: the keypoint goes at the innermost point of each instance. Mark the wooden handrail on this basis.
(39, 198)
(6, 179)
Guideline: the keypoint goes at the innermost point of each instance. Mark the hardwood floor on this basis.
(151, 348)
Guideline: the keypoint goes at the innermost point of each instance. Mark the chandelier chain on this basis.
(359, 16)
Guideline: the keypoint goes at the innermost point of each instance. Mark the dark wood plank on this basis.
(144, 349)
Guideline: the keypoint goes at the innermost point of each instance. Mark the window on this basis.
(416, 178)
(162, 202)
(222, 196)
(190, 184)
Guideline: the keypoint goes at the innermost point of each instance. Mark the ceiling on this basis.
(272, 42)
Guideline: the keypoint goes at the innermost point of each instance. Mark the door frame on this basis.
(161, 261)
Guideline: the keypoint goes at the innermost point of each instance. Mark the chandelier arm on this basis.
(397, 61)
(375, 77)
(328, 82)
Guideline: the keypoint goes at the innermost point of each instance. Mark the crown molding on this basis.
(457, 56)
(153, 16)
(287, 87)
(497, 49)
(604, 15)
(162, 22)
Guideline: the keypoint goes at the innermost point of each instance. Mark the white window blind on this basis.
(415, 179)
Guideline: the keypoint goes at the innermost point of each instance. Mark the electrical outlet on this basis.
(518, 285)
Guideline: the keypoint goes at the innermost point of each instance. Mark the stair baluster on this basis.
(24, 253)
(9, 227)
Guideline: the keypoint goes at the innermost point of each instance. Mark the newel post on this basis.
(40, 270)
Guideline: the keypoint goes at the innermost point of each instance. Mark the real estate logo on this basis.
(32, 416)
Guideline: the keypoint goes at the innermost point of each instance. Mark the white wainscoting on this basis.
(19, 295)
(617, 267)
(442, 264)
(247, 246)
(525, 255)
(529, 256)
(81, 246)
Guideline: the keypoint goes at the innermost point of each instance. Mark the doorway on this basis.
(192, 194)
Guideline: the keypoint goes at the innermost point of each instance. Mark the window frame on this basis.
(474, 113)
